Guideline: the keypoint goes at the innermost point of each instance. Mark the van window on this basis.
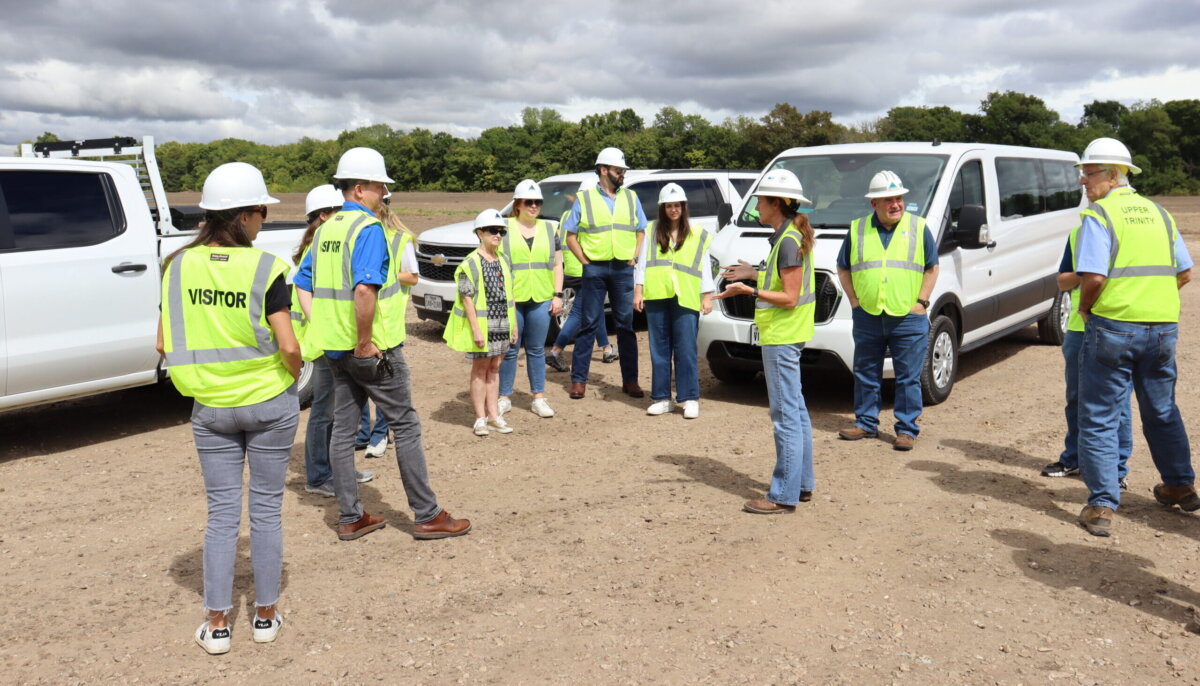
(647, 193)
(968, 190)
(1063, 191)
(1019, 181)
(703, 197)
(51, 209)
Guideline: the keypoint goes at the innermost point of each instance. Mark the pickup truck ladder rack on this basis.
(126, 150)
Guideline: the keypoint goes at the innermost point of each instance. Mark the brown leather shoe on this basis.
(855, 432)
(578, 390)
(365, 525)
(764, 506)
(903, 442)
(1096, 519)
(441, 526)
(1184, 496)
(632, 389)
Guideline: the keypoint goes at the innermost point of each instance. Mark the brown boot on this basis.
(903, 442)
(441, 526)
(578, 390)
(1184, 496)
(764, 506)
(632, 389)
(1096, 519)
(855, 432)
(365, 525)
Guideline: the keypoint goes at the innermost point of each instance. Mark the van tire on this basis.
(1052, 329)
(304, 385)
(941, 361)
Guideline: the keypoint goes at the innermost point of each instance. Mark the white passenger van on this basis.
(1000, 215)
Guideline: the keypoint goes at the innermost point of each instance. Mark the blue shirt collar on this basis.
(350, 205)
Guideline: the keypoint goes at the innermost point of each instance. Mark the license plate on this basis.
(754, 334)
(433, 302)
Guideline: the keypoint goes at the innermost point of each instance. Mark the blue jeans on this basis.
(1071, 347)
(570, 328)
(793, 429)
(1118, 357)
(673, 329)
(320, 425)
(368, 434)
(615, 278)
(908, 337)
(533, 323)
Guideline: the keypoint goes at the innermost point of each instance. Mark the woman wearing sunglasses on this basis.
(483, 323)
(535, 256)
(226, 333)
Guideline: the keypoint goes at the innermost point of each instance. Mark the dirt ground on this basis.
(609, 546)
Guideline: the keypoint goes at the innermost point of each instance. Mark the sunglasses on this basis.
(495, 230)
(261, 210)
(535, 203)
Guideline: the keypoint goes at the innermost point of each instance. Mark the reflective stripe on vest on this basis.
(346, 292)
(888, 280)
(1115, 247)
(1142, 285)
(396, 246)
(1075, 320)
(676, 273)
(180, 354)
(571, 264)
(532, 267)
(458, 334)
(614, 235)
(786, 325)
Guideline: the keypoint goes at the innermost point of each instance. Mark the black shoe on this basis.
(1059, 469)
(1123, 482)
(360, 446)
(555, 362)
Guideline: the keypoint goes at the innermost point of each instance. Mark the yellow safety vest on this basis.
(888, 280)
(333, 325)
(458, 333)
(605, 235)
(532, 268)
(676, 273)
(393, 295)
(218, 343)
(785, 325)
(571, 264)
(1075, 321)
(1141, 284)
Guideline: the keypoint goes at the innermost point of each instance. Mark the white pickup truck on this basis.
(81, 240)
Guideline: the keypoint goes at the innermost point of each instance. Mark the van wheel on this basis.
(727, 373)
(941, 361)
(558, 321)
(1052, 328)
(304, 385)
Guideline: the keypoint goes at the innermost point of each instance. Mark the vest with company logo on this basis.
(333, 326)
(676, 273)
(786, 325)
(1141, 284)
(458, 334)
(218, 343)
(888, 280)
(605, 235)
(532, 267)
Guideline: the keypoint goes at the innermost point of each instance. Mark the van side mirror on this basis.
(724, 215)
(972, 232)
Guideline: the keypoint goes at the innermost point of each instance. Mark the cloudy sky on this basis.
(276, 70)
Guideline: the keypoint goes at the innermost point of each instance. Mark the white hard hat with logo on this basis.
(672, 192)
(528, 190)
(781, 183)
(885, 184)
(363, 164)
(488, 218)
(1108, 151)
(612, 157)
(235, 184)
(322, 197)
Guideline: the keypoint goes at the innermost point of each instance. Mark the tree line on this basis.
(1164, 139)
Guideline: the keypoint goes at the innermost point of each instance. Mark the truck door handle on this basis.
(128, 267)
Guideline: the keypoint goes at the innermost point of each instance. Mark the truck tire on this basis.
(1052, 329)
(941, 361)
(304, 385)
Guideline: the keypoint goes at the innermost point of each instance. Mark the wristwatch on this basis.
(558, 294)
(924, 303)
(755, 292)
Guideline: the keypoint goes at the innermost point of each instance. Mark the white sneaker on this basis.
(659, 407)
(267, 630)
(505, 404)
(378, 448)
(480, 427)
(213, 641)
(498, 424)
(541, 408)
(691, 409)
(363, 477)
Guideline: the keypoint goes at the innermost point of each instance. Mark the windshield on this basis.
(559, 197)
(836, 184)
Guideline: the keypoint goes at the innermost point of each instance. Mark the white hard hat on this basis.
(612, 157)
(1108, 151)
(364, 164)
(528, 190)
(781, 183)
(322, 197)
(488, 218)
(672, 192)
(235, 184)
(885, 184)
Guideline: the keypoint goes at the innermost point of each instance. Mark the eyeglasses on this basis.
(1085, 175)
(495, 230)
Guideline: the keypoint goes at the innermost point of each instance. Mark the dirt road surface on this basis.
(608, 546)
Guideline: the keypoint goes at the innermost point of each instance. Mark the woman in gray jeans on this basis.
(227, 337)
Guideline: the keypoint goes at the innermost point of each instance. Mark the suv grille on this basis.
(742, 306)
(452, 256)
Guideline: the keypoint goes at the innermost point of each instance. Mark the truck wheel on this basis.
(304, 385)
(727, 373)
(559, 320)
(1052, 328)
(941, 361)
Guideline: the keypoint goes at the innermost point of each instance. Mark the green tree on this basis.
(1012, 118)
(924, 124)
